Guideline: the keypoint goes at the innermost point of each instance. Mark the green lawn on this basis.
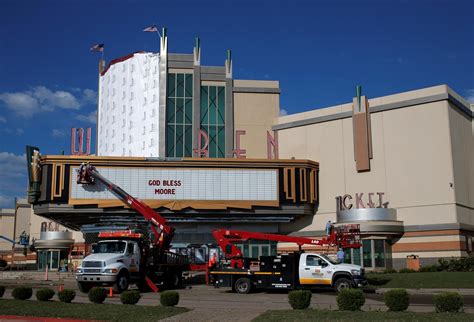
(428, 280)
(325, 315)
(110, 312)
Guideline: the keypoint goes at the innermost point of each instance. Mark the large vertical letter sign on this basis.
(79, 133)
(238, 152)
(202, 150)
(272, 142)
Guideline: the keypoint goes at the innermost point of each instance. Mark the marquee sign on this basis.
(182, 184)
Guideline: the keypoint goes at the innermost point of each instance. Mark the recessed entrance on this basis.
(54, 259)
(373, 254)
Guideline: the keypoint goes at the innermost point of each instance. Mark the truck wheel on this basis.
(121, 284)
(84, 287)
(243, 286)
(342, 283)
(176, 280)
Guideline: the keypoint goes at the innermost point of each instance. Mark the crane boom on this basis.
(347, 236)
(8, 239)
(87, 174)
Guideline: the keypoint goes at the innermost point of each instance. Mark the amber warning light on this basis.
(119, 234)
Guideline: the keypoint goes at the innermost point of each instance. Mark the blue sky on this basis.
(318, 50)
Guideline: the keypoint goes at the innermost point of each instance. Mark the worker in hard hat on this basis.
(328, 227)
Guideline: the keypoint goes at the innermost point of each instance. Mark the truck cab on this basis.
(114, 262)
(290, 271)
(319, 270)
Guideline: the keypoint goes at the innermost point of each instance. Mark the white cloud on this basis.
(470, 95)
(89, 96)
(283, 112)
(22, 104)
(89, 118)
(3, 120)
(58, 133)
(19, 131)
(51, 99)
(40, 98)
(14, 181)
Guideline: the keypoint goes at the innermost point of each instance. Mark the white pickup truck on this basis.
(290, 271)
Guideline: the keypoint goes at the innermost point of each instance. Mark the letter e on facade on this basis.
(238, 152)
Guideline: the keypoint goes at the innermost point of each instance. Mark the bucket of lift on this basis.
(83, 174)
(348, 236)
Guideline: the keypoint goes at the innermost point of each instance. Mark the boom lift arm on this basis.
(88, 174)
(346, 237)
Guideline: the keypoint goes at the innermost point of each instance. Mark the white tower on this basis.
(128, 109)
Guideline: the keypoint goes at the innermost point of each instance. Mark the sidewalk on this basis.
(462, 291)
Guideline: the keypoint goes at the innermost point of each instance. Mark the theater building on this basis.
(208, 151)
(401, 166)
(156, 104)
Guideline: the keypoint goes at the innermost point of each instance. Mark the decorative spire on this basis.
(228, 64)
(197, 51)
(164, 42)
(358, 93)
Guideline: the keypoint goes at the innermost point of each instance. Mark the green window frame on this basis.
(213, 119)
(179, 115)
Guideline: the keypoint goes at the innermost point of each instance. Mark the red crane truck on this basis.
(124, 257)
(295, 270)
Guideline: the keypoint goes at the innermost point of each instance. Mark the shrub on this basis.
(66, 295)
(350, 299)
(377, 281)
(390, 271)
(3, 263)
(407, 270)
(430, 268)
(44, 294)
(2, 290)
(130, 297)
(300, 299)
(97, 295)
(448, 302)
(22, 293)
(169, 298)
(463, 264)
(397, 299)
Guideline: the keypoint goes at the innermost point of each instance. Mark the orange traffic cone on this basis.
(111, 292)
(61, 287)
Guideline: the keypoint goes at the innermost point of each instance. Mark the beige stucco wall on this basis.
(413, 160)
(255, 113)
(23, 216)
(462, 146)
(6, 227)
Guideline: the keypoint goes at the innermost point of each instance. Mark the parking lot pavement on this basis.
(211, 304)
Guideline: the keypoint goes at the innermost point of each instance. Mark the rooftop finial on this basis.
(358, 93)
(197, 52)
(228, 64)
